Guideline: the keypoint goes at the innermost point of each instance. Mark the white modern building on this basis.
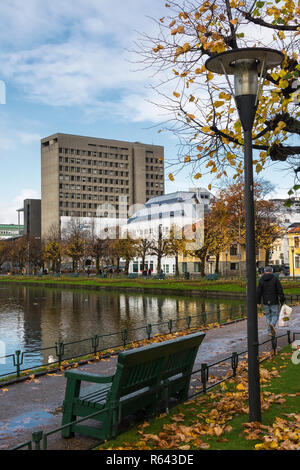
(182, 210)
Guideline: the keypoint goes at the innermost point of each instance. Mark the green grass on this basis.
(222, 285)
(199, 420)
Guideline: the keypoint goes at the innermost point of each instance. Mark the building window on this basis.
(135, 267)
(233, 266)
(196, 267)
(184, 267)
(233, 251)
(297, 262)
(296, 242)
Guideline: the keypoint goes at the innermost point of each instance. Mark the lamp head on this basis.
(248, 66)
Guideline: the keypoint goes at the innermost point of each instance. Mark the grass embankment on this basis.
(219, 419)
(222, 285)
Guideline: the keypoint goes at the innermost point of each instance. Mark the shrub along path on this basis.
(36, 403)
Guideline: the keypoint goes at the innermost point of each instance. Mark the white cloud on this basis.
(8, 210)
(62, 56)
(28, 137)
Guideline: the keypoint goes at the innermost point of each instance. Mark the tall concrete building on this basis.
(79, 174)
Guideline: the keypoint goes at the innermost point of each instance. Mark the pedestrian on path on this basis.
(269, 289)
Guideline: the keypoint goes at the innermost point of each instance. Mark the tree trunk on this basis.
(158, 263)
(127, 266)
(217, 263)
(202, 265)
(176, 265)
(267, 254)
(143, 262)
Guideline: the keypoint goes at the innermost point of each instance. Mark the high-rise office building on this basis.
(81, 174)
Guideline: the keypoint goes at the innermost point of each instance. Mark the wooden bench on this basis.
(211, 277)
(133, 275)
(143, 377)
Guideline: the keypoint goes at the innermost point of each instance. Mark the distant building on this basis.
(294, 249)
(181, 209)
(32, 217)
(8, 231)
(81, 175)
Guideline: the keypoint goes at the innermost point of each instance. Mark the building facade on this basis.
(294, 250)
(180, 210)
(32, 217)
(10, 231)
(86, 177)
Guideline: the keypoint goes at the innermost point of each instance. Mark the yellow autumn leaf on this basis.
(191, 116)
(217, 104)
(186, 47)
(176, 94)
(224, 96)
(187, 159)
(210, 76)
(240, 387)
(171, 177)
(197, 176)
(205, 129)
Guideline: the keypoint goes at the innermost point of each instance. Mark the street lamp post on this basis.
(248, 66)
(293, 250)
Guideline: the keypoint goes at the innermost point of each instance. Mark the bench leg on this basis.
(72, 391)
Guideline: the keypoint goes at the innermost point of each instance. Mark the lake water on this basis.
(33, 319)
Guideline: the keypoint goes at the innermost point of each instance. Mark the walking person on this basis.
(269, 289)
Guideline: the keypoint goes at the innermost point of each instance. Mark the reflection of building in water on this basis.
(32, 336)
(45, 316)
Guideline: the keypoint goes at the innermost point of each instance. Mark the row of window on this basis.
(78, 187)
(157, 169)
(154, 160)
(79, 169)
(153, 193)
(89, 179)
(90, 153)
(90, 197)
(90, 205)
(154, 177)
(83, 161)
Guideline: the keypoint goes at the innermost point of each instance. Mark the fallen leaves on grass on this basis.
(284, 434)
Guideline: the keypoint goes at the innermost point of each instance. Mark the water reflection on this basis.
(33, 319)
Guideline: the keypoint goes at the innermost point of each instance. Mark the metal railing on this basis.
(39, 439)
(95, 343)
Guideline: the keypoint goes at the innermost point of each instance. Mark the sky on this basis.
(66, 66)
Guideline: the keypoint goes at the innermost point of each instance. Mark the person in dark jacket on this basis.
(269, 289)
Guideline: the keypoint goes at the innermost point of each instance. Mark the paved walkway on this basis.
(35, 404)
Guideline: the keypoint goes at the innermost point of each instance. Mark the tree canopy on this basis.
(198, 106)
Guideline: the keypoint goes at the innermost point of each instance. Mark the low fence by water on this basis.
(39, 439)
(98, 343)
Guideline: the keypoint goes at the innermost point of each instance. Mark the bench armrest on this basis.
(78, 375)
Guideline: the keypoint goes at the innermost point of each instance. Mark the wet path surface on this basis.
(36, 404)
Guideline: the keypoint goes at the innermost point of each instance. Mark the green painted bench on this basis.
(144, 377)
(159, 276)
(211, 277)
(133, 275)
